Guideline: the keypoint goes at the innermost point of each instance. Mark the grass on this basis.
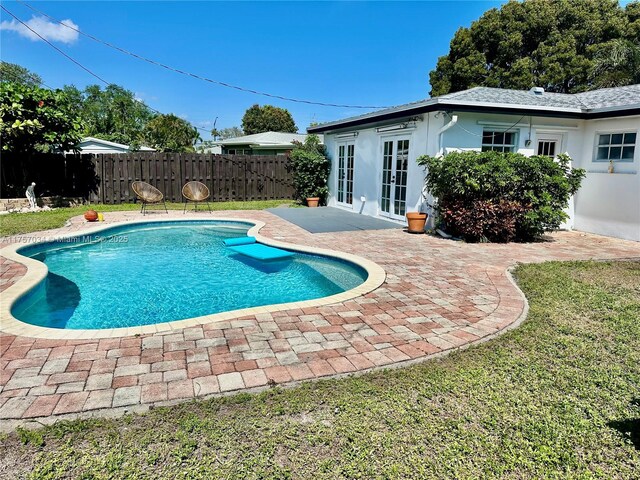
(559, 397)
(18, 223)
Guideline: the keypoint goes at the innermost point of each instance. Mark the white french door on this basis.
(344, 190)
(395, 162)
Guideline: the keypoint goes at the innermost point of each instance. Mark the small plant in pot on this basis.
(310, 167)
(416, 222)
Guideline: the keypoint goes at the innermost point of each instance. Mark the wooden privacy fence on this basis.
(229, 177)
(55, 175)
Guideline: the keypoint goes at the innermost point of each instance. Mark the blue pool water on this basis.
(163, 271)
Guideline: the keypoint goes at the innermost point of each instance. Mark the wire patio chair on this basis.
(196, 192)
(147, 194)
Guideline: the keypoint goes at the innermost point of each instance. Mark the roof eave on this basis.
(450, 105)
(480, 107)
(387, 115)
(610, 112)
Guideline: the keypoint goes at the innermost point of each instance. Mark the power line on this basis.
(194, 75)
(54, 47)
(85, 68)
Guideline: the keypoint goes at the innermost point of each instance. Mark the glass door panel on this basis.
(395, 164)
(387, 167)
(340, 189)
(344, 192)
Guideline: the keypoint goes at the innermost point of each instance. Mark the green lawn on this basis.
(559, 397)
(16, 223)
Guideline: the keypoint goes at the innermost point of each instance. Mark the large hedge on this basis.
(500, 197)
(310, 168)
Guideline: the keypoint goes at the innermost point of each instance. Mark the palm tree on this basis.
(616, 65)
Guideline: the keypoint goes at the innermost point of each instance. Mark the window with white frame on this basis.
(498, 141)
(616, 147)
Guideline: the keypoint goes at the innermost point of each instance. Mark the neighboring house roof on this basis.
(98, 144)
(606, 102)
(265, 140)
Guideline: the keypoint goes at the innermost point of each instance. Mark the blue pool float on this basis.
(249, 247)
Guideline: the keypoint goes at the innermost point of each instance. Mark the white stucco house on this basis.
(98, 145)
(374, 169)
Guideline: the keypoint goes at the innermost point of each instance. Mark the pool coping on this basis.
(37, 271)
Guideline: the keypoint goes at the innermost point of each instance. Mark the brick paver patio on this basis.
(439, 295)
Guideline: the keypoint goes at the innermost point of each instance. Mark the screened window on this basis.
(498, 141)
(616, 147)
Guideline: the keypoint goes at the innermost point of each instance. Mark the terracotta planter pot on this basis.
(416, 222)
(313, 202)
(91, 215)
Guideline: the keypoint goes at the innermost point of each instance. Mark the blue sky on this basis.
(358, 53)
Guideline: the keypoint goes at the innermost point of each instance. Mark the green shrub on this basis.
(479, 220)
(501, 196)
(36, 119)
(310, 168)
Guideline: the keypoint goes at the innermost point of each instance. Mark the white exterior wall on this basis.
(367, 175)
(606, 204)
(609, 203)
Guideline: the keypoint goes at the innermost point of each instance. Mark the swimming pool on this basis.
(155, 272)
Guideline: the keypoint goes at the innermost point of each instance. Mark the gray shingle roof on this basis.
(498, 99)
(514, 97)
(610, 97)
(585, 101)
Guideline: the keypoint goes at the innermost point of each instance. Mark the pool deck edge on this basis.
(37, 272)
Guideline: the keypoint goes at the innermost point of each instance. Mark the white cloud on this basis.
(54, 32)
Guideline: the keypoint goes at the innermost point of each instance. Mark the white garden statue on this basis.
(31, 196)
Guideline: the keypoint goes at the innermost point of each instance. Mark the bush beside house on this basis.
(310, 168)
(501, 197)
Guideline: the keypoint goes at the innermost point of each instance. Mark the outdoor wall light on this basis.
(347, 135)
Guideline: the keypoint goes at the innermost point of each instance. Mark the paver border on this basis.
(9, 425)
(37, 271)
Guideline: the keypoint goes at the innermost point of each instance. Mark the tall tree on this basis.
(617, 64)
(11, 72)
(169, 133)
(112, 114)
(229, 132)
(267, 118)
(37, 119)
(547, 43)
